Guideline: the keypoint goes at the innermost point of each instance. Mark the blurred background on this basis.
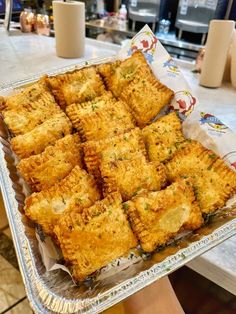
(181, 25)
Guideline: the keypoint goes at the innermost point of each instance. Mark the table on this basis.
(23, 55)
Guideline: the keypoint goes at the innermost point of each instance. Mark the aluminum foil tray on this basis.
(54, 291)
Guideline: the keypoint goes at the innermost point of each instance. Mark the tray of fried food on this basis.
(106, 177)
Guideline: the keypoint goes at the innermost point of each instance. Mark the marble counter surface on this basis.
(218, 101)
(23, 55)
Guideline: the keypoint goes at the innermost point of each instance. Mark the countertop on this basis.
(23, 55)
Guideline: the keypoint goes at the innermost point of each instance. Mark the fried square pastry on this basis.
(94, 237)
(23, 119)
(162, 137)
(52, 165)
(119, 74)
(120, 147)
(25, 98)
(76, 87)
(75, 110)
(130, 177)
(146, 96)
(97, 121)
(214, 181)
(189, 161)
(43, 135)
(156, 217)
(47, 206)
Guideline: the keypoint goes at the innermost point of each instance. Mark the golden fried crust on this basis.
(146, 96)
(214, 186)
(94, 237)
(214, 182)
(47, 206)
(162, 137)
(25, 98)
(45, 134)
(124, 146)
(118, 75)
(55, 163)
(129, 177)
(2, 103)
(21, 120)
(106, 119)
(156, 217)
(78, 86)
(74, 111)
(189, 161)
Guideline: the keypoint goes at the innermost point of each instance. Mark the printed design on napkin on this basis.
(171, 67)
(184, 103)
(146, 42)
(212, 121)
(230, 159)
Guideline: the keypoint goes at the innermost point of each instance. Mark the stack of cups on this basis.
(220, 36)
(69, 26)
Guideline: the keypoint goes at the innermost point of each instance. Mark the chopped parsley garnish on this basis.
(125, 206)
(212, 156)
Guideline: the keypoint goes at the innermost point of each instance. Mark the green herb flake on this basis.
(212, 156)
(136, 192)
(125, 206)
(94, 107)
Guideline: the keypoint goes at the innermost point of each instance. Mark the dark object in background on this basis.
(146, 11)
(192, 21)
(232, 15)
(17, 8)
(168, 11)
(109, 5)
